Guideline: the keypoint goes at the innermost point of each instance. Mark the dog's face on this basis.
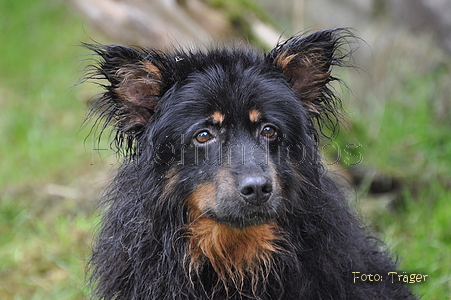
(232, 127)
(227, 129)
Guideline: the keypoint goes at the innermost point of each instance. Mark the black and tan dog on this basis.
(222, 193)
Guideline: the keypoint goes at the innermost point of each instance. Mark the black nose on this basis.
(255, 189)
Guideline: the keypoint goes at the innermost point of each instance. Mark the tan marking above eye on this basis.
(218, 117)
(254, 115)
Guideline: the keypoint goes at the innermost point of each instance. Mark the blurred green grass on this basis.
(46, 211)
(38, 67)
(405, 133)
(44, 235)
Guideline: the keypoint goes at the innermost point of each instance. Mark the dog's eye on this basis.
(203, 137)
(269, 132)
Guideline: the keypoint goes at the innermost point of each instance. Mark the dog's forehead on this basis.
(231, 92)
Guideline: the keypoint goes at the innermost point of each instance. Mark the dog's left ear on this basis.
(306, 63)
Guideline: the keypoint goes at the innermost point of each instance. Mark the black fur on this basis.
(163, 107)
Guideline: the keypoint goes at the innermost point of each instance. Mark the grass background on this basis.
(50, 176)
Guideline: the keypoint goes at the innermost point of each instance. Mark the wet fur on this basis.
(174, 226)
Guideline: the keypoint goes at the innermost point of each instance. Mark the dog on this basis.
(222, 193)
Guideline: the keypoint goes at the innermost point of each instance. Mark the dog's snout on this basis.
(255, 189)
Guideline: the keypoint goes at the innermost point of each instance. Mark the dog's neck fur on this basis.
(236, 255)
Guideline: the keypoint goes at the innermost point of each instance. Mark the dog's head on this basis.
(222, 144)
(232, 125)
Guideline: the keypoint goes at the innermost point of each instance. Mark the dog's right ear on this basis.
(133, 90)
